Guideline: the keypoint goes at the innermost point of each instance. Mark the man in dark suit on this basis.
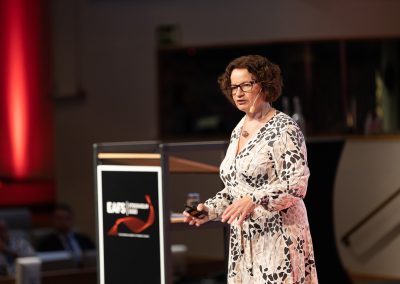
(64, 237)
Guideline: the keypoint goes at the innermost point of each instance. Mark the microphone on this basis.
(252, 108)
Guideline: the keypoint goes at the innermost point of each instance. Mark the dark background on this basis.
(334, 79)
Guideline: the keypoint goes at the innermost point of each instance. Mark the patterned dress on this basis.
(274, 244)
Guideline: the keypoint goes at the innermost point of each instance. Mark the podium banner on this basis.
(130, 224)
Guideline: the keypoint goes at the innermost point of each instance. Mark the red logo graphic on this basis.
(134, 224)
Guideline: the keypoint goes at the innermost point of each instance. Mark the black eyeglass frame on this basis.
(234, 88)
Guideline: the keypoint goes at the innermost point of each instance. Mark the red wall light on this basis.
(26, 136)
(16, 87)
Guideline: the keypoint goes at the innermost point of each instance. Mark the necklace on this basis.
(245, 133)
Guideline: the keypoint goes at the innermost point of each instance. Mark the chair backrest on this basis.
(16, 218)
(18, 221)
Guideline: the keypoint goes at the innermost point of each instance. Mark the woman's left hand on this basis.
(242, 207)
(196, 221)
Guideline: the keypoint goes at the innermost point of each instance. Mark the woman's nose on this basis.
(239, 92)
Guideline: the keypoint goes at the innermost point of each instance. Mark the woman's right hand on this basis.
(196, 221)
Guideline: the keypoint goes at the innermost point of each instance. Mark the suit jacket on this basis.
(52, 242)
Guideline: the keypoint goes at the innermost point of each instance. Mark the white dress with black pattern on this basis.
(274, 244)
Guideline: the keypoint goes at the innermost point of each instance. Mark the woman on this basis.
(265, 174)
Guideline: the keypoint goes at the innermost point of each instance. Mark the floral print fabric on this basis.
(273, 245)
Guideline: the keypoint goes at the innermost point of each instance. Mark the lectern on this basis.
(132, 205)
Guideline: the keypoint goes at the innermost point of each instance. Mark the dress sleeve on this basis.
(291, 169)
(218, 204)
(223, 198)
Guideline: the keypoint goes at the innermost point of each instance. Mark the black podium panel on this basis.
(130, 216)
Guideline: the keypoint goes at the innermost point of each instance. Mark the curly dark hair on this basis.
(263, 71)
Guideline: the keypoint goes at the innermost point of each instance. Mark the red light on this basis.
(17, 93)
(25, 111)
(16, 87)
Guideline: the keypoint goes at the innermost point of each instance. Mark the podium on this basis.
(133, 205)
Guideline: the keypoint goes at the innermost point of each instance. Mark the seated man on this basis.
(11, 248)
(64, 237)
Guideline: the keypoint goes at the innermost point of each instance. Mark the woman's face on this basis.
(245, 90)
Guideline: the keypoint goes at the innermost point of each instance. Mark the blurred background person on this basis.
(11, 247)
(64, 237)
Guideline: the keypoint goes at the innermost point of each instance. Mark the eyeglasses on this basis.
(245, 87)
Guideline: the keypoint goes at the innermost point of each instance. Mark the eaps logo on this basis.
(134, 224)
